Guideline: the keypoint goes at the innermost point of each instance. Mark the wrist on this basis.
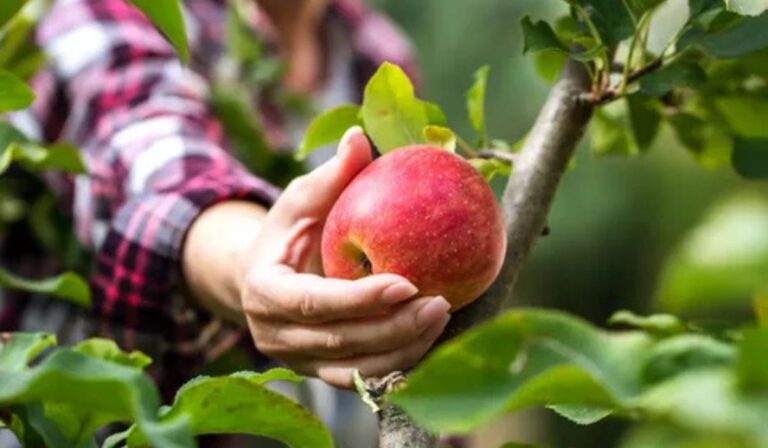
(214, 255)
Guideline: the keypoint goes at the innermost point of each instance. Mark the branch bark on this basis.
(526, 203)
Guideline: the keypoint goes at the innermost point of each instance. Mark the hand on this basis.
(329, 327)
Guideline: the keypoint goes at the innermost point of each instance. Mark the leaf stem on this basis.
(466, 148)
(641, 27)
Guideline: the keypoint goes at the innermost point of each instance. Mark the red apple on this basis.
(423, 213)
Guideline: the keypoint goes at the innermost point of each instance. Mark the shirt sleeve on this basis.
(154, 152)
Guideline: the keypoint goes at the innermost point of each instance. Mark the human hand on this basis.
(330, 327)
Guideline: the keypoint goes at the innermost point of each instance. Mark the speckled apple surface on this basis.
(423, 213)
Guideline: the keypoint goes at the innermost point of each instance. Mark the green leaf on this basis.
(625, 127)
(74, 379)
(721, 262)
(751, 366)
(747, 7)
(33, 157)
(440, 137)
(521, 359)
(549, 64)
(14, 93)
(591, 54)
(684, 353)
(639, 7)
(435, 114)
(8, 9)
(47, 429)
(393, 116)
(657, 324)
(9, 134)
(490, 168)
(239, 404)
(745, 36)
(18, 349)
(476, 103)
(745, 114)
(645, 119)
(109, 351)
(539, 36)
(67, 286)
(709, 144)
(610, 132)
(750, 158)
(329, 127)
(673, 76)
(581, 415)
(698, 7)
(166, 15)
(611, 18)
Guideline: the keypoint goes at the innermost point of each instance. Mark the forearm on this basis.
(213, 251)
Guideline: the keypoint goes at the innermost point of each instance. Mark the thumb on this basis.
(313, 194)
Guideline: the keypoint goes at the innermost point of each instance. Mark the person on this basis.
(193, 254)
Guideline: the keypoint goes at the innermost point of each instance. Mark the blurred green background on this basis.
(615, 220)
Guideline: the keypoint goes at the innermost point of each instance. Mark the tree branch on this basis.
(531, 188)
(526, 202)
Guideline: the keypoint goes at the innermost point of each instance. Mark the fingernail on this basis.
(398, 292)
(345, 144)
(431, 311)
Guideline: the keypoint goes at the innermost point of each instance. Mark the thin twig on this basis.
(498, 154)
(609, 95)
(466, 148)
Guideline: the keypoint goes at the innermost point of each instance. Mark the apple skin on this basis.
(423, 213)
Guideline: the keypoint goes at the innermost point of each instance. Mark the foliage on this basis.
(688, 382)
(60, 400)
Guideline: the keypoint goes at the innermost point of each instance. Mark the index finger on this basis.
(309, 298)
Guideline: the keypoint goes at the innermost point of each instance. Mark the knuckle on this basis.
(306, 307)
(334, 343)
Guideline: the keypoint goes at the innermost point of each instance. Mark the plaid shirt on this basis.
(156, 157)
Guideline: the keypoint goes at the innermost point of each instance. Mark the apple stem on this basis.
(526, 202)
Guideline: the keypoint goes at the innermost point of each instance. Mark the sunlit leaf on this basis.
(747, 7)
(441, 137)
(14, 93)
(239, 403)
(393, 116)
(659, 324)
(34, 157)
(166, 15)
(435, 114)
(476, 103)
(744, 114)
(547, 358)
(103, 391)
(8, 9)
(751, 368)
(67, 286)
(109, 351)
(18, 349)
(581, 415)
(329, 127)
